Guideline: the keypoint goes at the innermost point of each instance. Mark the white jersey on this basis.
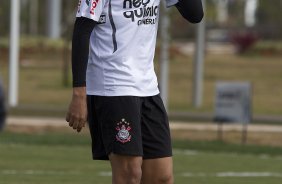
(122, 46)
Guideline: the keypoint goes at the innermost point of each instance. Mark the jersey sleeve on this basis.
(91, 9)
(170, 3)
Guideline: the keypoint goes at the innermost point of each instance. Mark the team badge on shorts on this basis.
(123, 134)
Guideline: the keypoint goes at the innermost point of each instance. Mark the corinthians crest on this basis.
(123, 134)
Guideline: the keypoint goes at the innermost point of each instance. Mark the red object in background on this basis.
(244, 40)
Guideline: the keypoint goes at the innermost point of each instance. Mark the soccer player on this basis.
(114, 83)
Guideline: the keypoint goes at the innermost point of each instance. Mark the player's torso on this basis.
(126, 24)
(122, 49)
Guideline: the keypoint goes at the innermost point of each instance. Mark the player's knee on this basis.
(126, 169)
(131, 173)
(165, 178)
(134, 175)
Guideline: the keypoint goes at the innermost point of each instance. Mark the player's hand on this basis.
(77, 113)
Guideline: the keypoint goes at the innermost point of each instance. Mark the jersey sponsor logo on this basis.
(87, 2)
(138, 11)
(123, 132)
(93, 6)
(102, 19)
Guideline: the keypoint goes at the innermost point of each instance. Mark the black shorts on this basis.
(128, 125)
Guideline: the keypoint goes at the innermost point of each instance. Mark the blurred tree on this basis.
(269, 22)
(68, 15)
(4, 14)
(33, 17)
(222, 11)
(24, 16)
(268, 15)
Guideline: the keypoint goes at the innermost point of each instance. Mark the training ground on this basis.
(41, 151)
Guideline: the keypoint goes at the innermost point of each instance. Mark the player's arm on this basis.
(191, 10)
(77, 114)
(83, 28)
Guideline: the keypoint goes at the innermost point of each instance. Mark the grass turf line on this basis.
(69, 139)
(65, 158)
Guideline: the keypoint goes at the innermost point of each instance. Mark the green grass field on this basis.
(64, 158)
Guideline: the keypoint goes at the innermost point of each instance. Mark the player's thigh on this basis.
(158, 170)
